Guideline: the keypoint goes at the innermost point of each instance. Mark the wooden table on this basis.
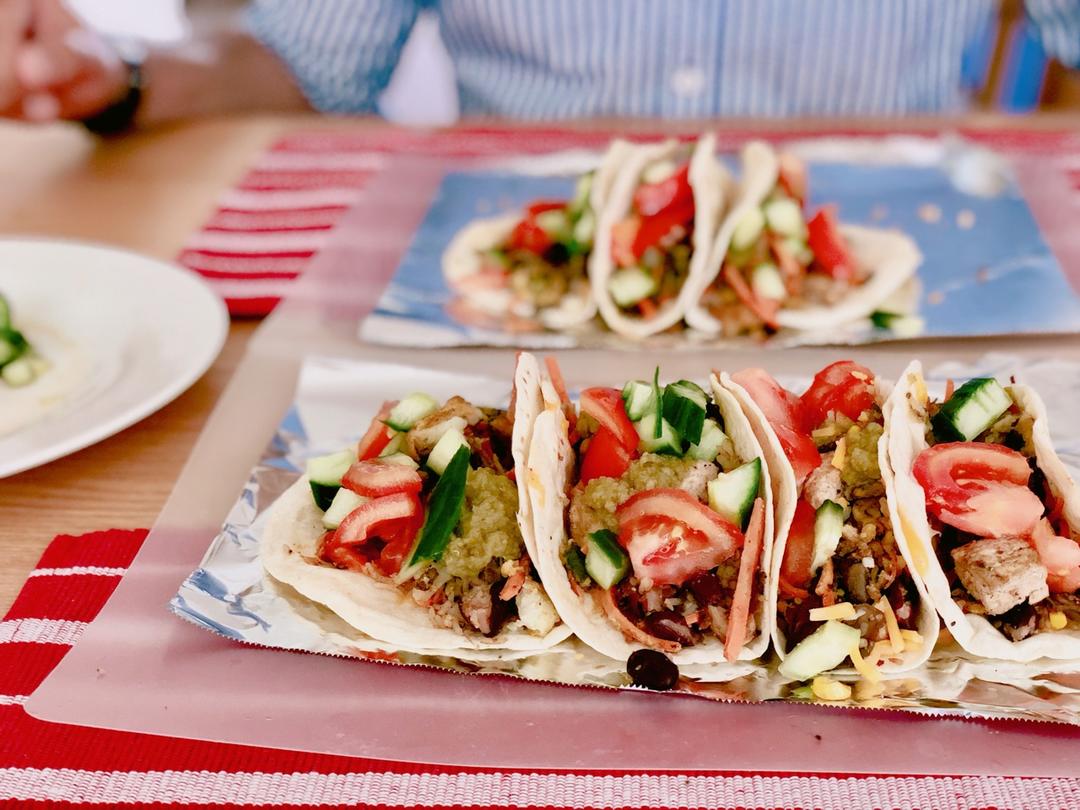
(147, 193)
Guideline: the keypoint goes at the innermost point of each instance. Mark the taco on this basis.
(532, 265)
(413, 536)
(772, 267)
(655, 235)
(653, 522)
(842, 584)
(988, 511)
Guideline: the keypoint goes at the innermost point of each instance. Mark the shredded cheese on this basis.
(914, 543)
(840, 454)
(1058, 620)
(881, 651)
(892, 625)
(843, 611)
(865, 690)
(912, 638)
(828, 689)
(862, 667)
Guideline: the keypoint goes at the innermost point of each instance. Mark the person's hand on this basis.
(52, 66)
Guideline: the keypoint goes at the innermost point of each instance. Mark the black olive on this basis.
(652, 669)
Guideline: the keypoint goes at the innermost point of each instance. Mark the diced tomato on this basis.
(670, 535)
(764, 309)
(605, 457)
(842, 387)
(623, 236)
(979, 488)
(527, 235)
(399, 541)
(1060, 555)
(831, 250)
(606, 406)
(793, 176)
(378, 434)
(799, 549)
(784, 412)
(652, 198)
(543, 206)
(394, 518)
(350, 558)
(744, 584)
(655, 229)
(555, 374)
(375, 478)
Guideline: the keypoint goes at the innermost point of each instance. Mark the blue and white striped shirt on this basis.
(552, 59)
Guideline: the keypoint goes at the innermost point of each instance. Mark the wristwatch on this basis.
(119, 116)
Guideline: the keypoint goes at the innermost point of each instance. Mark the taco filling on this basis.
(426, 502)
(1002, 538)
(652, 245)
(842, 579)
(665, 522)
(777, 259)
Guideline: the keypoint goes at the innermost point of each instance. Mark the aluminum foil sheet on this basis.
(229, 593)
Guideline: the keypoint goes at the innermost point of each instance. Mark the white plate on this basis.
(125, 334)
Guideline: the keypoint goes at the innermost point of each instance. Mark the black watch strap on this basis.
(119, 116)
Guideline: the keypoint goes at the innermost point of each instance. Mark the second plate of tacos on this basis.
(653, 522)
(990, 511)
(843, 586)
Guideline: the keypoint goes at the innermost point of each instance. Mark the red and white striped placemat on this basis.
(269, 227)
(51, 765)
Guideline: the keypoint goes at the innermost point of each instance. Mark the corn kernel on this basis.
(1058, 620)
(828, 689)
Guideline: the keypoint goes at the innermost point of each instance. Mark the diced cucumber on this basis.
(19, 372)
(585, 229)
(684, 406)
(904, 326)
(605, 560)
(325, 473)
(580, 203)
(784, 217)
(630, 285)
(554, 223)
(828, 528)
(445, 449)
(12, 345)
(344, 502)
(748, 229)
(798, 248)
(972, 408)
(767, 282)
(575, 561)
(708, 446)
(397, 442)
(732, 494)
(411, 410)
(667, 443)
(5, 313)
(443, 509)
(822, 650)
(659, 171)
(639, 399)
(401, 458)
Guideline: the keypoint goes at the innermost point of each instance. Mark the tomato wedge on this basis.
(652, 198)
(399, 541)
(604, 458)
(375, 478)
(842, 387)
(670, 535)
(799, 550)
(394, 518)
(378, 434)
(784, 413)
(744, 584)
(527, 235)
(655, 229)
(979, 488)
(1060, 555)
(543, 206)
(830, 248)
(605, 405)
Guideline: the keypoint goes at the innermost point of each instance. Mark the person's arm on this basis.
(1058, 24)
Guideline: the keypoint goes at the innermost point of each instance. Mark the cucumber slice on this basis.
(401, 458)
(828, 528)
(684, 406)
(5, 313)
(732, 495)
(19, 372)
(580, 203)
(443, 510)
(411, 410)
(344, 502)
(784, 217)
(972, 408)
(445, 450)
(659, 171)
(708, 446)
(667, 443)
(822, 650)
(575, 561)
(639, 399)
(584, 230)
(605, 560)
(904, 326)
(767, 282)
(748, 229)
(12, 345)
(554, 223)
(395, 445)
(631, 285)
(325, 472)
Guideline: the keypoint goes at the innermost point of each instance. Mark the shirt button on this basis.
(688, 81)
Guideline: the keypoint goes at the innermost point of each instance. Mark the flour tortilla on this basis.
(891, 257)
(462, 259)
(906, 437)
(712, 187)
(550, 465)
(786, 495)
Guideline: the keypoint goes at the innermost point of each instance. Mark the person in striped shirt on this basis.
(527, 59)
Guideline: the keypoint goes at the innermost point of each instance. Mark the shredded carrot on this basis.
(555, 373)
(765, 309)
(646, 307)
(744, 584)
(950, 386)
